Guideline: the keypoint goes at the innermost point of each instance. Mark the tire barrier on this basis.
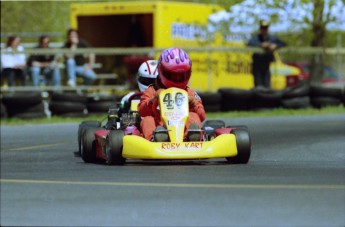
(68, 104)
(211, 101)
(296, 97)
(235, 99)
(101, 104)
(324, 96)
(26, 105)
(266, 98)
(29, 105)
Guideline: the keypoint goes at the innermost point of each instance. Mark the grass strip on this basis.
(230, 114)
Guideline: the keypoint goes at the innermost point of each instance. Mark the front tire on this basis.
(114, 146)
(244, 146)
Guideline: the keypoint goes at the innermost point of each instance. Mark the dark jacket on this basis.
(267, 57)
(79, 58)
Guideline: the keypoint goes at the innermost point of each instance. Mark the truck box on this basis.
(165, 24)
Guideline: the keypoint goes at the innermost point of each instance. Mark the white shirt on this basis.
(10, 60)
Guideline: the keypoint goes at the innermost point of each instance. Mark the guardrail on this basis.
(149, 50)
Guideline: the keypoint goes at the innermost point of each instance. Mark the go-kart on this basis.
(125, 141)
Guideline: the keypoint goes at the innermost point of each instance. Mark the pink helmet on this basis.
(174, 67)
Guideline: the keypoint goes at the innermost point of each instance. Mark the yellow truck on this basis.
(164, 24)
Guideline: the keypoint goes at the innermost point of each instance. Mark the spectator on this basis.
(261, 61)
(75, 63)
(13, 64)
(174, 70)
(44, 65)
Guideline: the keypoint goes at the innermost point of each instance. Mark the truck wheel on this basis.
(243, 143)
(114, 145)
(88, 145)
(81, 129)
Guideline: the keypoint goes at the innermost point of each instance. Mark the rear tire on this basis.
(114, 146)
(81, 129)
(88, 149)
(243, 143)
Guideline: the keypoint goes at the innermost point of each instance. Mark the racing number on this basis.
(168, 101)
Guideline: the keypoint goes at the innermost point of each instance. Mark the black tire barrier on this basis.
(324, 101)
(101, 104)
(235, 99)
(68, 97)
(296, 91)
(211, 101)
(265, 98)
(320, 91)
(24, 105)
(21, 99)
(99, 107)
(296, 103)
(58, 108)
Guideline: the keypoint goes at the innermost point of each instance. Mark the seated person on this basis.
(44, 65)
(13, 64)
(174, 70)
(75, 63)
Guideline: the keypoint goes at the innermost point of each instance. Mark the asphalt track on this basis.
(295, 177)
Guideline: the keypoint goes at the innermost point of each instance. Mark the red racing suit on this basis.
(151, 119)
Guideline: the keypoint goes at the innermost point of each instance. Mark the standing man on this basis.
(261, 61)
(44, 64)
(75, 63)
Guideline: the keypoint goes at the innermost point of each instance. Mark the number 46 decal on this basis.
(169, 102)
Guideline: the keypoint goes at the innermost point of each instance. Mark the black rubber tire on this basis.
(88, 149)
(235, 99)
(320, 102)
(210, 98)
(212, 108)
(99, 107)
(81, 129)
(266, 99)
(114, 146)
(296, 103)
(300, 90)
(58, 107)
(35, 108)
(244, 146)
(320, 91)
(22, 99)
(68, 97)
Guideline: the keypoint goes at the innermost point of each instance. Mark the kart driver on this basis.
(174, 70)
(146, 75)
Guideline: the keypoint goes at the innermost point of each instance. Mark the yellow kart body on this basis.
(174, 112)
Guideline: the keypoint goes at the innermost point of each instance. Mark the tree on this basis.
(310, 21)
